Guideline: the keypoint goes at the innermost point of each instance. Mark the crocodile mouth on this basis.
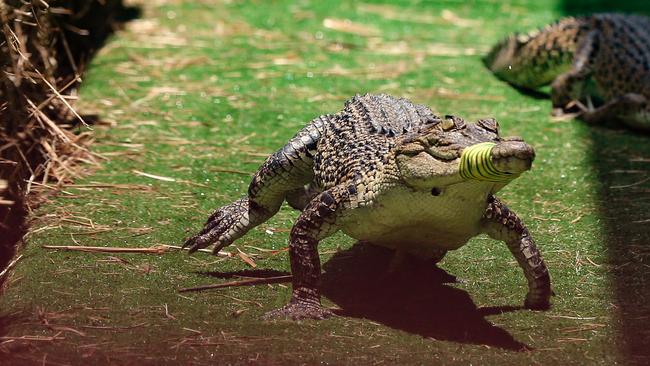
(443, 154)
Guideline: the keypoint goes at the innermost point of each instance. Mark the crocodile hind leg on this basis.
(569, 87)
(630, 108)
(639, 119)
(502, 224)
(317, 221)
(287, 169)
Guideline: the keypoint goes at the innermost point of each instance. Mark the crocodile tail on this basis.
(536, 58)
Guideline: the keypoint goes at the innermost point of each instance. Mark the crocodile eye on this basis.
(489, 124)
(448, 123)
(452, 122)
(435, 191)
(523, 38)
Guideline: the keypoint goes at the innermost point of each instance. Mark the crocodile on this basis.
(598, 66)
(389, 172)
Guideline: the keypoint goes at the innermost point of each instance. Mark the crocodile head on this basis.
(534, 59)
(511, 60)
(503, 55)
(453, 151)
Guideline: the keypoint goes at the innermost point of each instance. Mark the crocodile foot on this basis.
(222, 228)
(537, 304)
(298, 311)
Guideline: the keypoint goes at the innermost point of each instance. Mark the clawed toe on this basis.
(193, 243)
(556, 112)
(189, 243)
(559, 114)
(218, 247)
(211, 233)
(204, 239)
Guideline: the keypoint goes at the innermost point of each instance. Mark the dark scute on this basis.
(290, 152)
(324, 211)
(352, 189)
(327, 198)
(311, 145)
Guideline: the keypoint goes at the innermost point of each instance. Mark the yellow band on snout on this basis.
(476, 164)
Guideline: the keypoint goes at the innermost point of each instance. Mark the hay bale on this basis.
(44, 47)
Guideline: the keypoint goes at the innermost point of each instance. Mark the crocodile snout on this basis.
(513, 157)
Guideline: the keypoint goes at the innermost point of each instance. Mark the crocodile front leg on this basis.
(502, 224)
(287, 169)
(229, 223)
(317, 221)
(568, 87)
(265, 196)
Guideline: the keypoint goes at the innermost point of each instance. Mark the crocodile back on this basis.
(387, 115)
(621, 60)
(356, 143)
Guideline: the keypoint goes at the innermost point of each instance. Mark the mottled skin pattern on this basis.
(382, 170)
(598, 65)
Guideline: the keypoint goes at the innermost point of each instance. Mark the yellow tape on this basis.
(476, 164)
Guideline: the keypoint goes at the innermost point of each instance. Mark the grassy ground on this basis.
(202, 92)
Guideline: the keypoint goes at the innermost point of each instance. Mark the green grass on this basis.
(201, 92)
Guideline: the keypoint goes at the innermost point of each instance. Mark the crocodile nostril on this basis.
(435, 191)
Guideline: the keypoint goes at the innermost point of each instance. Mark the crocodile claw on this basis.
(195, 243)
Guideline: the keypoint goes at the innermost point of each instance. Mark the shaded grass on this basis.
(620, 160)
(195, 90)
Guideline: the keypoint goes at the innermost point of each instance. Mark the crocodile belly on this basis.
(418, 222)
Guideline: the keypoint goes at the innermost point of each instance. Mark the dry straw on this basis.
(43, 49)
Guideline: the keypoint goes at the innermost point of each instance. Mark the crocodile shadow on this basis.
(252, 273)
(621, 159)
(581, 7)
(532, 93)
(418, 300)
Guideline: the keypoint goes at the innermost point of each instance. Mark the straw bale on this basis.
(44, 48)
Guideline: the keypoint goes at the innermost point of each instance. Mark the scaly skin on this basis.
(599, 64)
(502, 224)
(366, 171)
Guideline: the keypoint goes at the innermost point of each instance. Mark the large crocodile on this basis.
(389, 172)
(597, 65)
